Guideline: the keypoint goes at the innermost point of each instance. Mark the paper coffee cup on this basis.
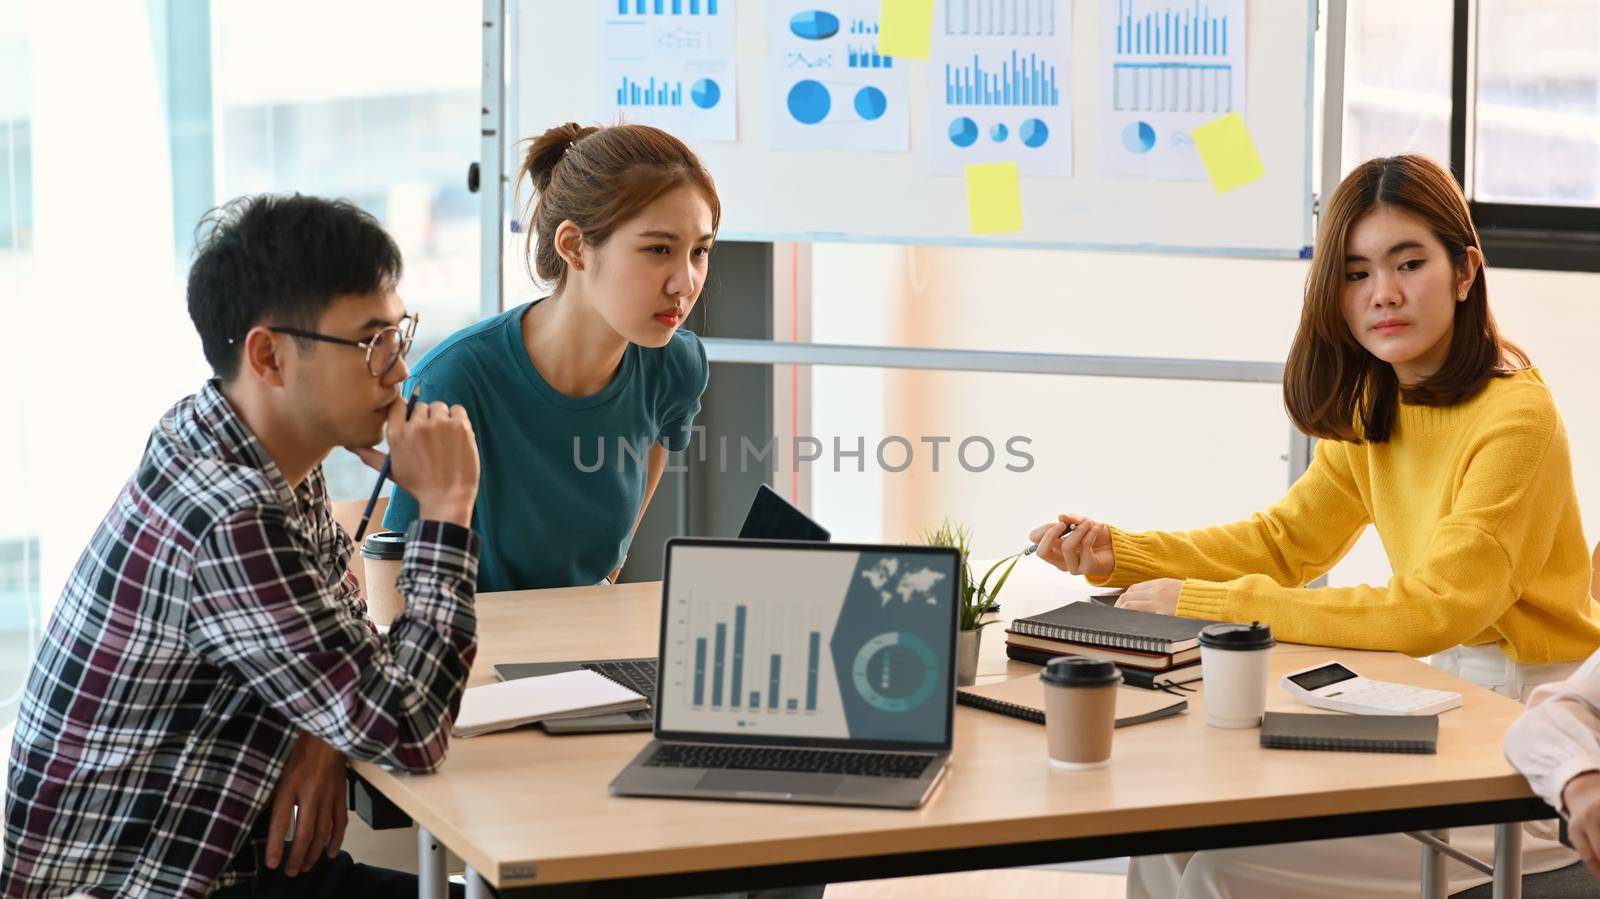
(1233, 663)
(1080, 711)
(381, 554)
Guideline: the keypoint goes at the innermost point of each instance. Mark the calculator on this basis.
(1333, 686)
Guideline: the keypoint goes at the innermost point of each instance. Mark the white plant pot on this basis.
(967, 645)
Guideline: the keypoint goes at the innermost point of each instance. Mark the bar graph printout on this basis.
(1169, 65)
(998, 86)
(827, 644)
(829, 84)
(668, 63)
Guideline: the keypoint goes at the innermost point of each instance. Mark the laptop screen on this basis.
(771, 517)
(808, 642)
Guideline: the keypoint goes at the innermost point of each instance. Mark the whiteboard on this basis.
(890, 197)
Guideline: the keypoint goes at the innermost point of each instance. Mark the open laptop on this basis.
(802, 672)
(770, 517)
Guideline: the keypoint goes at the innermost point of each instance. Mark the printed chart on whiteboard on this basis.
(828, 86)
(1170, 65)
(668, 63)
(997, 86)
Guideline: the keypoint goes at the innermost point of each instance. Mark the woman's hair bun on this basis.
(546, 150)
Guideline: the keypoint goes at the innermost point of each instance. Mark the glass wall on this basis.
(104, 173)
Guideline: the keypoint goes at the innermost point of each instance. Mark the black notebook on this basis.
(1351, 733)
(1023, 697)
(1100, 625)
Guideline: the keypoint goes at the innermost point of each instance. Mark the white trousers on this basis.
(1376, 867)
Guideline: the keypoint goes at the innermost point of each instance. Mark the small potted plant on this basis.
(978, 597)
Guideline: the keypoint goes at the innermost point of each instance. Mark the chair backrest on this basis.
(348, 514)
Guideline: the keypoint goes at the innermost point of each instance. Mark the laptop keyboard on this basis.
(638, 675)
(769, 758)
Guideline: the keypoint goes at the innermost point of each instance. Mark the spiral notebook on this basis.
(1351, 733)
(1023, 697)
(1109, 626)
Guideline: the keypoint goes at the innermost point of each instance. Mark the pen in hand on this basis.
(383, 473)
(1033, 548)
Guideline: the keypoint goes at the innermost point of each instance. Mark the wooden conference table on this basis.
(530, 814)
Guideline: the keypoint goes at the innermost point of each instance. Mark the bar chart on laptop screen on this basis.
(809, 642)
(760, 661)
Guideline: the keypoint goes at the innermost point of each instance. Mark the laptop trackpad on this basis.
(770, 782)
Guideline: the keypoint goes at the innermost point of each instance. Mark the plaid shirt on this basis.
(210, 620)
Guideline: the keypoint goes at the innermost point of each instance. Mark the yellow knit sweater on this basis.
(1476, 509)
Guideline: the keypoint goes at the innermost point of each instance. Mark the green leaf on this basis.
(1000, 584)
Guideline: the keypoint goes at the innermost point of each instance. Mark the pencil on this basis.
(383, 473)
(1034, 547)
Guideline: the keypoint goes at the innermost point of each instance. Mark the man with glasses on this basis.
(209, 666)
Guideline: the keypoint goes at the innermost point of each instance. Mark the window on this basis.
(103, 179)
(380, 107)
(20, 624)
(1397, 79)
(1537, 138)
(19, 542)
(1520, 127)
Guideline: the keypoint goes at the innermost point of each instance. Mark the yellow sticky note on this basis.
(994, 198)
(905, 28)
(1228, 152)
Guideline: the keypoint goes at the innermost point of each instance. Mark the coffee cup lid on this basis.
(1076, 671)
(384, 546)
(1254, 635)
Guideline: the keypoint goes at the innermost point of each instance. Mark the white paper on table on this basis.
(525, 700)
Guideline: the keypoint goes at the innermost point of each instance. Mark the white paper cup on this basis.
(382, 554)
(1233, 662)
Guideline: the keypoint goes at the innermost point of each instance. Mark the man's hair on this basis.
(280, 260)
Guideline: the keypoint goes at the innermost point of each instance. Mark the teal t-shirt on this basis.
(561, 478)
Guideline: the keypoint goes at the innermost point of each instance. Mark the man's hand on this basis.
(434, 457)
(1581, 796)
(313, 780)
(1159, 596)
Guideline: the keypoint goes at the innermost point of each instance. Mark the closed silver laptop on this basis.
(802, 672)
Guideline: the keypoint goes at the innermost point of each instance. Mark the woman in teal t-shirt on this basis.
(577, 398)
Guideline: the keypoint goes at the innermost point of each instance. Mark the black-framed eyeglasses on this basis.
(384, 348)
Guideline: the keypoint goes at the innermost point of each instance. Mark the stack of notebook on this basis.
(1152, 650)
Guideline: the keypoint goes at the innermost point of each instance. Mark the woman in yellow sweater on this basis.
(1436, 431)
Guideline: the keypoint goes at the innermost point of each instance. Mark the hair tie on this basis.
(572, 147)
